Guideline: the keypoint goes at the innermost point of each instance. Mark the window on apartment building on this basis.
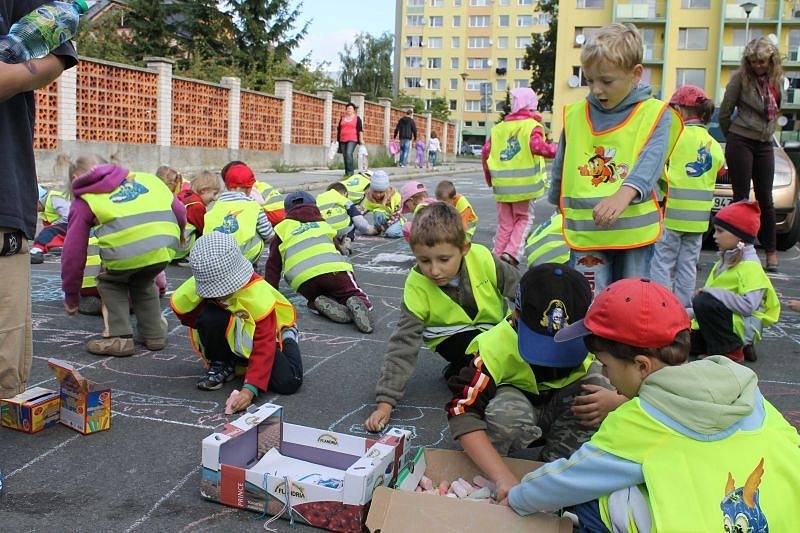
(453, 84)
(692, 38)
(578, 71)
(740, 35)
(434, 84)
(479, 2)
(455, 42)
(477, 62)
(690, 76)
(415, 3)
(501, 85)
(502, 42)
(587, 31)
(453, 62)
(696, 4)
(468, 123)
(456, 21)
(522, 42)
(794, 45)
(413, 61)
(544, 19)
(521, 83)
(456, 3)
(525, 2)
(479, 21)
(415, 20)
(453, 105)
(523, 21)
(413, 40)
(437, 21)
(413, 82)
(481, 124)
(498, 105)
(502, 21)
(590, 4)
(479, 42)
(502, 62)
(504, 2)
(434, 62)
(437, 3)
(519, 63)
(472, 105)
(434, 42)
(474, 85)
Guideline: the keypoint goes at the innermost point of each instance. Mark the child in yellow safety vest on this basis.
(271, 199)
(610, 159)
(546, 243)
(383, 201)
(696, 448)
(203, 190)
(692, 173)
(343, 216)
(235, 317)
(522, 386)
(446, 192)
(235, 213)
(413, 197)
(456, 290)
(304, 251)
(139, 225)
(356, 185)
(738, 299)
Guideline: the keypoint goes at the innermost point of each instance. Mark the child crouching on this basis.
(234, 317)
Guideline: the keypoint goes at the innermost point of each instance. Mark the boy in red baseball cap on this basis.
(696, 448)
(738, 299)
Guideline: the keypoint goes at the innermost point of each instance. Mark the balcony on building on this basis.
(765, 11)
(791, 13)
(653, 54)
(641, 11)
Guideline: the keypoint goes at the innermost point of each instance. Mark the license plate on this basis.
(721, 201)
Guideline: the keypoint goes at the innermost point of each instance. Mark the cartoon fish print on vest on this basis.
(740, 508)
(512, 147)
(602, 168)
(128, 191)
(230, 224)
(703, 164)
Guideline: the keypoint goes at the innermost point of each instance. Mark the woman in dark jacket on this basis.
(755, 91)
(349, 134)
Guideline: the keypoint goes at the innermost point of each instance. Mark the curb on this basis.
(313, 183)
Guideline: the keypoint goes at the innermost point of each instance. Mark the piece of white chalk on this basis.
(229, 402)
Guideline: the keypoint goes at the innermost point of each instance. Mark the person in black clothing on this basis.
(406, 129)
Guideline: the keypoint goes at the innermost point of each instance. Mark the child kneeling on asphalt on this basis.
(522, 386)
(235, 317)
(303, 249)
(697, 448)
(343, 215)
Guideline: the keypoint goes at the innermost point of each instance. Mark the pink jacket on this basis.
(538, 144)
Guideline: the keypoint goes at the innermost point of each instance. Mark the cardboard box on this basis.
(31, 411)
(401, 510)
(85, 405)
(330, 477)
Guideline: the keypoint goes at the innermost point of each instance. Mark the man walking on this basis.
(406, 129)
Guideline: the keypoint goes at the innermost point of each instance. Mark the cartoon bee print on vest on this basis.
(230, 224)
(695, 169)
(740, 508)
(602, 168)
(128, 191)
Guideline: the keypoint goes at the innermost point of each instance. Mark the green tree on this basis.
(440, 109)
(151, 33)
(204, 34)
(506, 107)
(405, 101)
(540, 55)
(103, 38)
(367, 66)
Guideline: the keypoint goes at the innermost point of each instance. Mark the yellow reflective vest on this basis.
(49, 214)
(596, 164)
(248, 306)
(392, 208)
(747, 478)
(137, 227)
(692, 176)
(356, 185)
(307, 251)
(546, 243)
(517, 173)
(333, 207)
(93, 264)
(238, 218)
(747, 276)
(273, 198)
(470, 222)
(441, 315)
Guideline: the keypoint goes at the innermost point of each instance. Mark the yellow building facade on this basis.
(465, 51)
(697, 42)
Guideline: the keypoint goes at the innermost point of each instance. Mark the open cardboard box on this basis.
(85, 405)
(401, 510)
(30, 411)
(330, 476)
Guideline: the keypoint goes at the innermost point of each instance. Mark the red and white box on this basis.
(330, 476)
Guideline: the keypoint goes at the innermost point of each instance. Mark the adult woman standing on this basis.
(349, 133)
(755, 91)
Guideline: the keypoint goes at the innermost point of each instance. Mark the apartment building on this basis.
(465, 51)
(697, 42)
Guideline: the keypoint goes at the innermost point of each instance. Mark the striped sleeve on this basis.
(473, 388)
(264, 227)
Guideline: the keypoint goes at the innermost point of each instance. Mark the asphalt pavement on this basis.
(143, 474)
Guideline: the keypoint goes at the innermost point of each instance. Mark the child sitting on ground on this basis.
(456, 290)
(171, 178)
(235, 213)
(356, 185)
(434, 147)
(413, 197)
(660, 461)
(203, 190)
(54, 207)
(446, 192)
(236, 317)
(420, 149)
(343, 216)
(522, 386)
(383, 201)
(738, 299)
(270, 198)
(304, 251)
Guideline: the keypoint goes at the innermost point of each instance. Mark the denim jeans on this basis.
(604, 267)
(395, 231)
(432, 156)
(405, 147)
(348, 149)
(674, 263)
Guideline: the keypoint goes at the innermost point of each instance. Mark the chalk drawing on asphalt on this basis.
(427, 425)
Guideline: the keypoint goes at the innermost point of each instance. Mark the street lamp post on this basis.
(460, 142)
(748, 8)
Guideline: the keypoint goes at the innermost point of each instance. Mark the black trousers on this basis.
(748, 160)
(716, 335)
(454, 348)
(287, 367)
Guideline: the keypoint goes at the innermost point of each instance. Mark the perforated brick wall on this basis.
(260, 122)
(373, 123)
(307, 117)
(338, 112)
(199, 114)
(45, 131)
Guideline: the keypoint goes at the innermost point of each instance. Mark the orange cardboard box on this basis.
(85, 405)
(31, 411)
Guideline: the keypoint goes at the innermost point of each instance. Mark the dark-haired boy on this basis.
(697, 448)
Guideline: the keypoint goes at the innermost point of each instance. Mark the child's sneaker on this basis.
(361, 315)
(219, 374)
(332, 309)
(37, 258)
(113, 346)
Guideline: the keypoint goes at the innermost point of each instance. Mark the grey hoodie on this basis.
(648, 167)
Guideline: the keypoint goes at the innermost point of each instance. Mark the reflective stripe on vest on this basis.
(307, 251)
(93, 264)
(248, 306)
(49, 213)
(747, 276)
(136, 225)
(238, 218)
(470, 220)
(517, 173)
(356, 185)
(589, 178)
(699, 484)
(692, 176)
(333, 207)
(546, 243)
(441, 315)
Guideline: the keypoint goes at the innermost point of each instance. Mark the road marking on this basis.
(42, 456)
(164, 498)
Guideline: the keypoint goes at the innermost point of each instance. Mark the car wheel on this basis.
(784, 241)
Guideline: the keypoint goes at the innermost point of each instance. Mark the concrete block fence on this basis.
(146, 117)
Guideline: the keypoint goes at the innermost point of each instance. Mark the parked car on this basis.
(785, 192)
(476, 149)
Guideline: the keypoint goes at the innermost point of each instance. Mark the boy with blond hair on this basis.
(610, 158)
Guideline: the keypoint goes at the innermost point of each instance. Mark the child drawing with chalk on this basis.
(237, 318)
(456, 291)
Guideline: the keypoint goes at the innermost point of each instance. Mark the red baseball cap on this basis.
(689, 96)
(239, 175)
(637, 312)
